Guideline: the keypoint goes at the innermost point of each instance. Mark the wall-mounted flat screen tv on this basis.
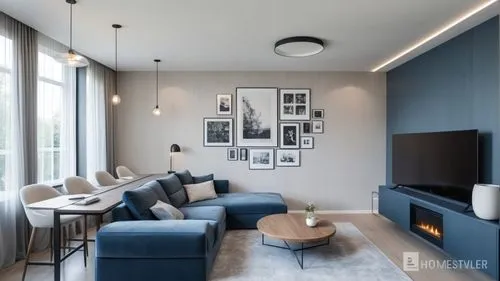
(446, 160)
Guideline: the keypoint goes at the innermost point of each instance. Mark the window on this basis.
(5, 112)
(56, 111)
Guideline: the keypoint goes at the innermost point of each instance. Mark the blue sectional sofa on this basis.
(138, 247)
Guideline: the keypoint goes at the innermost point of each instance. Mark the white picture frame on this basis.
(257, 117)
(307, 142)
(261, 159)
(287, 158)
(224, 104)
(218, 132)
(318, 127)
(295, 104)
(289, 135)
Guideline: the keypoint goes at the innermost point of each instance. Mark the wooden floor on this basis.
(383, 233)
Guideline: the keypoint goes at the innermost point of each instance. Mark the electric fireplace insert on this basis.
(427, 224)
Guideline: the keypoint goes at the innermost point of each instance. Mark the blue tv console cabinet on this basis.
(464, 236)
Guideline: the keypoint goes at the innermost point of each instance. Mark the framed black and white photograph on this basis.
(287, 158)
(307, 142)
(318, 113)
(289, 135)
(224, 104)
(317, 127)
(306, 128)
(232, 154)
(243, 154)
(295, 104)
(217, 132)
(262, 159)
(257, 117)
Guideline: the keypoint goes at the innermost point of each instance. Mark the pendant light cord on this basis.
(116, 60)
(157, 87)
(70, 26)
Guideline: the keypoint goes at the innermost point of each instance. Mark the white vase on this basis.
(311, 221)
(485, 201)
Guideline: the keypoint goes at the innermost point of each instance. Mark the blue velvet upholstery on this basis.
(174, 190)
(141, 199)
(140, 248)
(122, 213)
(200, 179)
(221, 186)
(185, 177)
(216, 216)
(246, 203)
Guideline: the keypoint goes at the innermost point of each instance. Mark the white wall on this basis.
(347, 163)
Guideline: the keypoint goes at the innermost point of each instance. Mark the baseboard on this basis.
(332, 212)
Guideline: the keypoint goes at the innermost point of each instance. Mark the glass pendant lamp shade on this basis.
(71, 58)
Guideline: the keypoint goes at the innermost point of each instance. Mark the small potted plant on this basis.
(311, 219)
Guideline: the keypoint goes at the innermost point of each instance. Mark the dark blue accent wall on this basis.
(454, 86)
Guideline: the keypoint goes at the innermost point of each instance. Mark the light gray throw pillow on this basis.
(164, 211)
(200, 191)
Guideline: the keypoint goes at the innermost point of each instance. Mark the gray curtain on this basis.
(21, 129)
(110, 89)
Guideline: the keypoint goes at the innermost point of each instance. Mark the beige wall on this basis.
(347, 163)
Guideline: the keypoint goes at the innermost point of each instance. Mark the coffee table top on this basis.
(293, 228)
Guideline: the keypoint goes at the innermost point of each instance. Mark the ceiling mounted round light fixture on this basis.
(299, 46)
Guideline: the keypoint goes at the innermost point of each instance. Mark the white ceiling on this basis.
(240, 34)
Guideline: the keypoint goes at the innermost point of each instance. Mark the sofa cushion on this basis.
(200, 191)
(141, 199)
(200, 179)
(185, 177)
(216, 215)
(174, 190)
(247, 203)
(164, 211)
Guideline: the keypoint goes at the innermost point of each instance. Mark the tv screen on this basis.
(436, 160)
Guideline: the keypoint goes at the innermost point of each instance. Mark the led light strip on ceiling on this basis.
(435, 34)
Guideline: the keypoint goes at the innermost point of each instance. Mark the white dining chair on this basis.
(104, 178)
(79, 185)
(125, 173)
(43, 218)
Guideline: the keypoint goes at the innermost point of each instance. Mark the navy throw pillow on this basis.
(139, 200)
(174, 190)
(200, 179)
(185, 177)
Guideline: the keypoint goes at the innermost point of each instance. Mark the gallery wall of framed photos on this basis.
(272, 126)
(353, 142)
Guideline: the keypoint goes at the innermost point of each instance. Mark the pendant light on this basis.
(156, 110)
(71, 58)
(116, 98)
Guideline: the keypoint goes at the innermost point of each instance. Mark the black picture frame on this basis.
(270, 166)
(288, 141)
(318, 114)
(283, 154)
(295, 104)
(306, 128)
(232, 154)
(243, 154)
(230, 132)
(220, 110)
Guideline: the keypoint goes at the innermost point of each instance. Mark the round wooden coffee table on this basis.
(293, 229)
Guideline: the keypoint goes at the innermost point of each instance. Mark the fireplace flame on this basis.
(434, 231)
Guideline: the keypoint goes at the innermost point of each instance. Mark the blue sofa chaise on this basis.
(138, 247)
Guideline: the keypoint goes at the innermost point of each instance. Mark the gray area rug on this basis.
(350, 256)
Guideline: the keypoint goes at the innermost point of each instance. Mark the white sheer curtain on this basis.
(95, 104)
(56, 114)
(18, 60)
